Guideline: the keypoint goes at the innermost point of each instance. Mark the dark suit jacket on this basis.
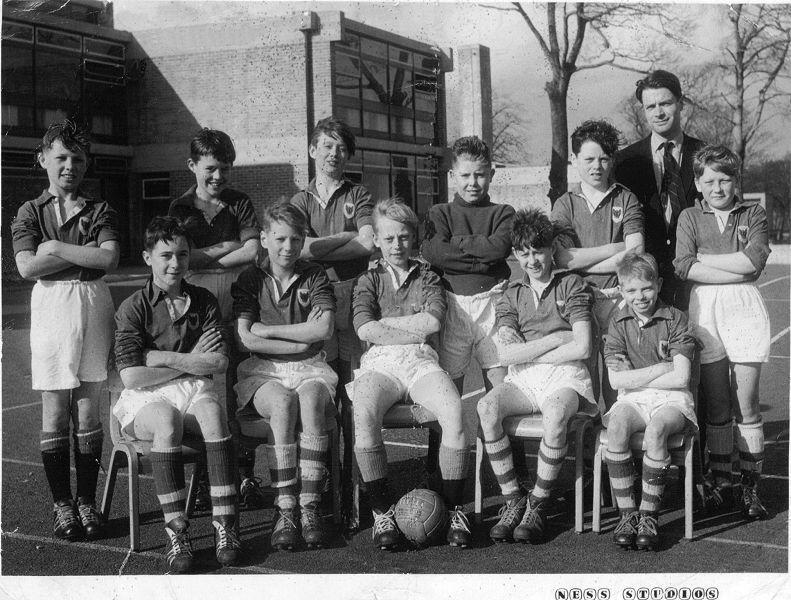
(634, 168)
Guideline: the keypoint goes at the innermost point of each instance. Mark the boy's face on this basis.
(395, 240)
(718, 188)
(330, 155)
(662, 111)
(640, 294)
(593, 165)
(169, 262)
(211, 175)
(536, 262)
(65, 168)
(471, 177)
(283, 243)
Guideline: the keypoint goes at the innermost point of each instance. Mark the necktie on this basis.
(672, 189)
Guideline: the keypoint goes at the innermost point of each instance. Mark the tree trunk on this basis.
(738, 73)
(558, 169)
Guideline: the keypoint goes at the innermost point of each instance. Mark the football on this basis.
(421, 516)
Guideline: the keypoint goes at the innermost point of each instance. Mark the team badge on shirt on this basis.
(664, 349)
(85, 225)
(617, 214)
(348, 209)
(741, 231)
(193, 320)
(303, 296)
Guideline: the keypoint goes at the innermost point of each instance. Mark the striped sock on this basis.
(453, 464)
(550, 460)
(312, 467)
(55, 456)
(502, 460)
(654, 472)
(282, 459)
(372, 462)
(167, 467)
(750, 441)
(622, 472)
(221, 467)
(87, 459)
(719, 439)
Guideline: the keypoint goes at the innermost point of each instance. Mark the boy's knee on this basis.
(168, 425)
(286, 410)
(211, 419)
(488, 410)
(618, 432)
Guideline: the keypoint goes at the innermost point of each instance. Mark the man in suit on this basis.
(658, 170)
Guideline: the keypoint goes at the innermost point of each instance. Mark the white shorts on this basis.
(180, 393)
(218, 282)
(72, 327)
(255, 372)
(469, 331)
(730, 321)
(404, 365)
(344, 343)
(647, 401)
(540, 381)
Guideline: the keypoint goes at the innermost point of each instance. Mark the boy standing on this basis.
(285, 309)
(648, 352)
(66, 242)
(169, 342)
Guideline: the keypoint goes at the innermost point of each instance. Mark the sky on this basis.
(518, 68)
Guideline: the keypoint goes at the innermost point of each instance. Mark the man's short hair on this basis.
(284, 212)
(212, 142)
(164, 229)
(336, 128)
(656, 80)
(719, 158)
(397, 210)
(601, 132)
(71, 134)
(637, 264)
(472, 147)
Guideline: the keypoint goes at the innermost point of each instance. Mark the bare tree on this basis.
(509, 131)
(632, 113)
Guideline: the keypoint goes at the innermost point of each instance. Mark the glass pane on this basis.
(374, 82)
(426, 102)
(102, 125)
(378, 183)
(104, 48)
(17, 32)
(58, 76)
(400, 86)
(373, 48)
(427, 63)
(350, 115)
(424, 130)
(374, 121)
(17, 73)
(404, 185)
(401, 161)
(156, 188)
(108, 104)
(400, 55)
(61, 40)
(376, 158)
(347, 75)
(350, 39)
(424, 185)
(402, 126)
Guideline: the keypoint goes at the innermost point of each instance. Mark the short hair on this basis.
(532, 228)
(336, 128)
(601, 132)
(719, 158)
(397, 210)
(656, 80)
(212, 142)
(473, 147)
(164, 229)
(284, 212)
(71, 134)
(637, 264)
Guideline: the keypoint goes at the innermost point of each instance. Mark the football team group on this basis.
(639, 284)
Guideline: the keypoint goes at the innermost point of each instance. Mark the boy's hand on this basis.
(210, 341)
(617, 363)
(509, 335)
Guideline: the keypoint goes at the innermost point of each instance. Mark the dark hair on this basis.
(397, 210)
(72, 135)
(637, 264)
(283, 212)
(336, 128)
(164, 229)
(532, 228)
(473, 147)
(656, 80)
(212, 142)
(718, 158)
(601, 132)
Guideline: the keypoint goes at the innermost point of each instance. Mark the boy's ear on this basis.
(697, 185)
(40, 158)
(146, 257)
(191, 164)
(312, 151)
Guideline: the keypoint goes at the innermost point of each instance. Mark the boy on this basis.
(606, 220)
(544, 325)
(224, 230)
(398, 308)
(649, 353)
(168, 343)
(284, 311)
(722, 246)
(66, 241)
(469, 240)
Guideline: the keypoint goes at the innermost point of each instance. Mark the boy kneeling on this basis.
(168, 343)
(648, 353)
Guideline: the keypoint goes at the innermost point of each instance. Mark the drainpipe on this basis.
(309, 24)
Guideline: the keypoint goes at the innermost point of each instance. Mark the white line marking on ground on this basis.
(473, 393)
(779, 335)
(777, 299)
(771, 281)
(743, 543)
(777, 356)
(29, 404)
(30, 463)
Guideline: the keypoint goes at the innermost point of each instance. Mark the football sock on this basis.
(378, 495)
(372, 462)
(167, 467)
(312, 467)
(622, 472)
(654, 473)
(750, 441)
(222, 476)
(550, 460)
(55, 456)
(87, 460)
(453, 468)
(282, 459)
(719, 439)
(502, 460)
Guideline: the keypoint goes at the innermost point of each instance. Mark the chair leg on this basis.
(597, 460)
(688, 481)
(335, 451)
(479, 450)
(354, 517)
(192, 490)
(578, 479)
(134, 501)
(109, 484)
